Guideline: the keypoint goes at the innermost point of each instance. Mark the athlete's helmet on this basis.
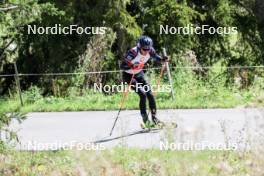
(145, 42)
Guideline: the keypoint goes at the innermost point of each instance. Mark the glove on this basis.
(165, 59)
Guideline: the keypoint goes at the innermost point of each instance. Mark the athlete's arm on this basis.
(127, 61)
(156, 57)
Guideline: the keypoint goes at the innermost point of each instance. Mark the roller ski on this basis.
(148, 125)
(157, 124)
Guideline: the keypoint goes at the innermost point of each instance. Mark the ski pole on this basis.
(122, 104)
(164, 65)
(160, 77)
(169, 75)
(159, 80)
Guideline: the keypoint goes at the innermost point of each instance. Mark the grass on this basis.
(193, 98)
(156, 162)
(124, 161)
(36, 163)
(191, 91)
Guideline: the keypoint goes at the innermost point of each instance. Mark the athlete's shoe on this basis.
(147, 125)
(145, 118)
(157, 122)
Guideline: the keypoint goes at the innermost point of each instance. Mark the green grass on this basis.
(192, 98)
(124, 161)
(191, 91)
(156, 162)
(36, 163)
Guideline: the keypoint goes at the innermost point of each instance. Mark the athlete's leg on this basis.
(152, 103)
(142, 102)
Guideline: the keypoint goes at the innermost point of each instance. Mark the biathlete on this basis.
(133, 64)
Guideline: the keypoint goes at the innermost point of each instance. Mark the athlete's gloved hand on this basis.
(165, 59)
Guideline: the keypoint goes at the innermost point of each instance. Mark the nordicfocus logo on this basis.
(190, 29)
(59, 145)
(195, 146)
(123, 87)
(58, 29)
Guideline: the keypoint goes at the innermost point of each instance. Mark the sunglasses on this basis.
(145, 49)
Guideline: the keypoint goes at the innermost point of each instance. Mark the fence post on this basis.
(18, 84)
(169, 75)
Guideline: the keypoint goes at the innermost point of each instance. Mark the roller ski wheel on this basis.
(171, 125)
(160, 125)
(166, 125)
(152, 126)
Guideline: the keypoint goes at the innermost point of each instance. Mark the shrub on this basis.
(32, 94)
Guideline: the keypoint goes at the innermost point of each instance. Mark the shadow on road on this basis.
(107, 139)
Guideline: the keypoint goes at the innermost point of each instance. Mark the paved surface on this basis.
(196, 128)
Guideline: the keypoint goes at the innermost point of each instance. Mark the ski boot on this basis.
(157, 123)
(155, 120)
(146, 124)
(160, 124)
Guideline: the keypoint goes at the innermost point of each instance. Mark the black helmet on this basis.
(145, 42)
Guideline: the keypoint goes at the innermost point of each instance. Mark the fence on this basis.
(18, 75)
(118, 71)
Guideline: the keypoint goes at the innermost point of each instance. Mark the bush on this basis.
(32, 94)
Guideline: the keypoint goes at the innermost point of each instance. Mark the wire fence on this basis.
(119, 71)
(97, 76)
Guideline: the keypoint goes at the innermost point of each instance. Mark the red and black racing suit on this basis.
(139, 84)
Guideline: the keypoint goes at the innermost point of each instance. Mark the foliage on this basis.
(124, 20)
(32, 95)
(204, 91)
(37, 163)
(8, 135)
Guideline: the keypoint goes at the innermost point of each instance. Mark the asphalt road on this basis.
(197, 129)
